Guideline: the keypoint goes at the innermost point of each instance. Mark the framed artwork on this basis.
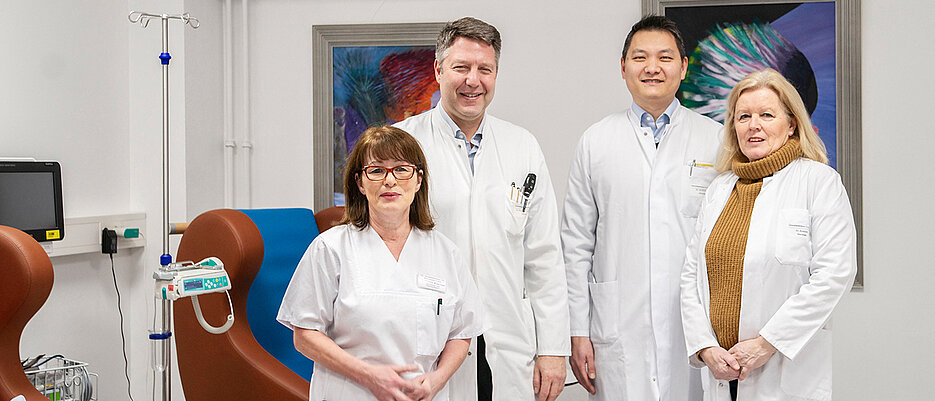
(815, 44)
(365, 75)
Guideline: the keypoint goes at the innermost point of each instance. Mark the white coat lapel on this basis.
(718, 201)
(488, 154)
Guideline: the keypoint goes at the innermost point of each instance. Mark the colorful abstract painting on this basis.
(377, 85)
(725, 43)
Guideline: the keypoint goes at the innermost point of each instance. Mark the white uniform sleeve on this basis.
(309, 299)
(469, 313)
(831, 270)
(544, 270)
(695, 321)
(579, 226)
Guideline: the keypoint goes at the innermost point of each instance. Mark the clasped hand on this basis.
(386, 384)
(740, 360)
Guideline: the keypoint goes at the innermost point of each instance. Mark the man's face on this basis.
(467, 77)
(653, 68)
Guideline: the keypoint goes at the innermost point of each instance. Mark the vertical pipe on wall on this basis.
(229, 143)
(246, 144)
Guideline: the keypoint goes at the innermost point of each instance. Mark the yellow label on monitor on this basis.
(52, 234)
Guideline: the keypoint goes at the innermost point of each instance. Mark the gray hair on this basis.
(470, 28)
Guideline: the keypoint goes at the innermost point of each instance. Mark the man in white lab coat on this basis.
(633, 194)
(492, 195)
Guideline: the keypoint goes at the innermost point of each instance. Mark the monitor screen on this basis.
(31, 198)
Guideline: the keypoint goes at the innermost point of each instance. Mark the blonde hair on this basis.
(812, 146)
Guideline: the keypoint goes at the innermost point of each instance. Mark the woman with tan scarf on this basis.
(773, 253)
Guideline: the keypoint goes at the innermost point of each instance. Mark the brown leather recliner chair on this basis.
(27, 281)
(233, 365)
(329, 217)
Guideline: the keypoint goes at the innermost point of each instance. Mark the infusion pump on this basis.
(188, 279)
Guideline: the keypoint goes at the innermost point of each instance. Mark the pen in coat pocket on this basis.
(528, 186)
(696, 164)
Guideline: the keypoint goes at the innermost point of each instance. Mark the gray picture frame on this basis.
(847, 63)
(324, 39)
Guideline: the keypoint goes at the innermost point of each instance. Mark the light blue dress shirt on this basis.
(475, 140)
(658, 125)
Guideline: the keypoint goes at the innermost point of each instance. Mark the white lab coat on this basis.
(801, 258)
(630, 209)
(349, 287)
(515, 254)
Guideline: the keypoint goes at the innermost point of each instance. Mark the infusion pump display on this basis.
(204, 284)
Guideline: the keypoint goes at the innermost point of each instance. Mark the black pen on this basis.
(438, 309)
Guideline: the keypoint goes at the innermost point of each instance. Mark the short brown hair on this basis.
(812, 146)
(384, 143)
(470, 28)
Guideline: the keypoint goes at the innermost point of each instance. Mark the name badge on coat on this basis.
(431, 283)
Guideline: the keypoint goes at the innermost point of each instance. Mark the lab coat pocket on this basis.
(516, 219)
(433, 323)
(699, 178)
(529, 325)
(809, 375)
(605, 312)
(327, 385)
(793, 237)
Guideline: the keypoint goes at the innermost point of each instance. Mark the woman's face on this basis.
(389, 196)
(761, 123)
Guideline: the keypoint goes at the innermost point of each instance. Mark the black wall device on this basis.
(31, 198)
(108, 241)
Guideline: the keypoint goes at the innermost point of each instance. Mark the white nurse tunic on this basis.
(349, 287)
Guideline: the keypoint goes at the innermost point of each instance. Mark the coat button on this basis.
(720, 384)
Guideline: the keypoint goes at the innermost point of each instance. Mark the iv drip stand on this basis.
(164, 332)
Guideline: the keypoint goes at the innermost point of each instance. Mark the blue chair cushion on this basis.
(286, 235)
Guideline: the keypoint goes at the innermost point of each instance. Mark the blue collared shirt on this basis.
(658, 125)
(456, 131)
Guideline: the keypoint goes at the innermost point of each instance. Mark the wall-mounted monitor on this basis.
(31, 198)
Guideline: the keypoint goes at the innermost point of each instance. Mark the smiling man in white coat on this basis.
(634, 189)
(493, 196)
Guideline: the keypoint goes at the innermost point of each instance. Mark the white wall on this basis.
(883, 335)
(575, 82)
(204, 112)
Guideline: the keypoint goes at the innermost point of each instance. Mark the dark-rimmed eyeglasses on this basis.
(400, 172)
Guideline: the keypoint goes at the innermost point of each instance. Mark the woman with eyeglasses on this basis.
(384, 305)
